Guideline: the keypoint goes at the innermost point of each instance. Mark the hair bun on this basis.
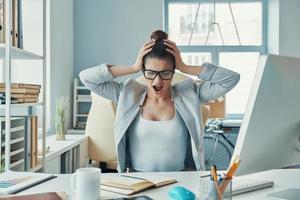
(159, 35)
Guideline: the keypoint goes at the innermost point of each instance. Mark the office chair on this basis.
(99, 129)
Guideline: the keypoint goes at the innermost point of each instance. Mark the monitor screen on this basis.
(269, 136)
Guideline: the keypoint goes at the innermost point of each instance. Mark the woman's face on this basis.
(159, 73)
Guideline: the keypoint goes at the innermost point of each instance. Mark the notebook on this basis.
(12, 182)
(131, 184)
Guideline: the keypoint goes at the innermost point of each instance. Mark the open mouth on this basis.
(157, 89)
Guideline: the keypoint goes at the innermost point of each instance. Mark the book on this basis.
(15, 23)
(46, 196)
(24, 100)
(22, 85)
(34, 141)
(131, 184)
(21, 90)
(2, 25)
(24, 96)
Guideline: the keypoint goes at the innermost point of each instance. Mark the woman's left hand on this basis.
(172, 48)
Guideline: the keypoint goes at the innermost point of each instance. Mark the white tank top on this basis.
(157, 145)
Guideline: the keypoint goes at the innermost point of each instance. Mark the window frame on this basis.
(215, 50)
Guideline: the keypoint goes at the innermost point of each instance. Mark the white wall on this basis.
(113, 30)
(61, 55)
(284, 28)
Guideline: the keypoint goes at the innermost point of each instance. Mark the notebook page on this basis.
(122, 180)
(154, 178)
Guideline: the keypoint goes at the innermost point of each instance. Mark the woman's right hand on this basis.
(146, 48)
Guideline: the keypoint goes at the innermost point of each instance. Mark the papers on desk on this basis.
(12, 182)
(131, 184)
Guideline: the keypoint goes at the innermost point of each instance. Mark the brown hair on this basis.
(159, 49)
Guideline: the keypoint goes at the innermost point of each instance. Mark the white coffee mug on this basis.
(85, 182)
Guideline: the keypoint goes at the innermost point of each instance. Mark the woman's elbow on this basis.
(237, 78)
(82, 77)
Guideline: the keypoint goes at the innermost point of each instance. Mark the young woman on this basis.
(157, 127)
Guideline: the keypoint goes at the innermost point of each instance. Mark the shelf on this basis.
(18, 105)
(81, 115)
(85, 100)
(17, 53)
(17, 163)
(81, 100)
(35, 168)
(81, 88)
(17, 152)
(76, 131)
(17, 140)
(20, 139)
(15, 129)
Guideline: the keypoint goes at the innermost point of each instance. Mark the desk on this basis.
(59, 147)
(283, 178)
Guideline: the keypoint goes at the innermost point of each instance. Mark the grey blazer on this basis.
(187, 96)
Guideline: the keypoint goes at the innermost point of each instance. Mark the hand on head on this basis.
(162, 48)
(172, 48)
(146, 48)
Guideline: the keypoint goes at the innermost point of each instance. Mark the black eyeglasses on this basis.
(164, 74)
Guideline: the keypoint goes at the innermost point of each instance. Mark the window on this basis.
(227, 33)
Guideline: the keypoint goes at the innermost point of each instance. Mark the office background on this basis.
(86, 33)
(83, 34)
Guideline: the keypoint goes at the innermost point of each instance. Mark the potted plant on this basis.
(61, 105)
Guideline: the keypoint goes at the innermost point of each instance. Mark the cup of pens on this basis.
(218, 187)
(208, 190)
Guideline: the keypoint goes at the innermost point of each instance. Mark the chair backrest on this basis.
(99, 128)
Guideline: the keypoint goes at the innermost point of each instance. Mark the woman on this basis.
(157, 127)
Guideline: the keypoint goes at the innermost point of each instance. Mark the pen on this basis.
(213, 171)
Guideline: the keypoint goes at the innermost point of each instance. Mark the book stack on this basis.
(21, 93)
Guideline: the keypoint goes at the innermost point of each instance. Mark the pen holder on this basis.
(208, 191)
(226, 189)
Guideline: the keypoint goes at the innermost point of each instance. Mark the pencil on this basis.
(232, 170)
(213, 171)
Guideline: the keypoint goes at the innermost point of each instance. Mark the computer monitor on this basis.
(269, 136)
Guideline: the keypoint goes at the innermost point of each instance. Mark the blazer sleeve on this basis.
(217, 81)
(99, 80)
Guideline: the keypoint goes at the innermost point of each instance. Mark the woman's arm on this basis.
(217, 82)
(99, 79)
